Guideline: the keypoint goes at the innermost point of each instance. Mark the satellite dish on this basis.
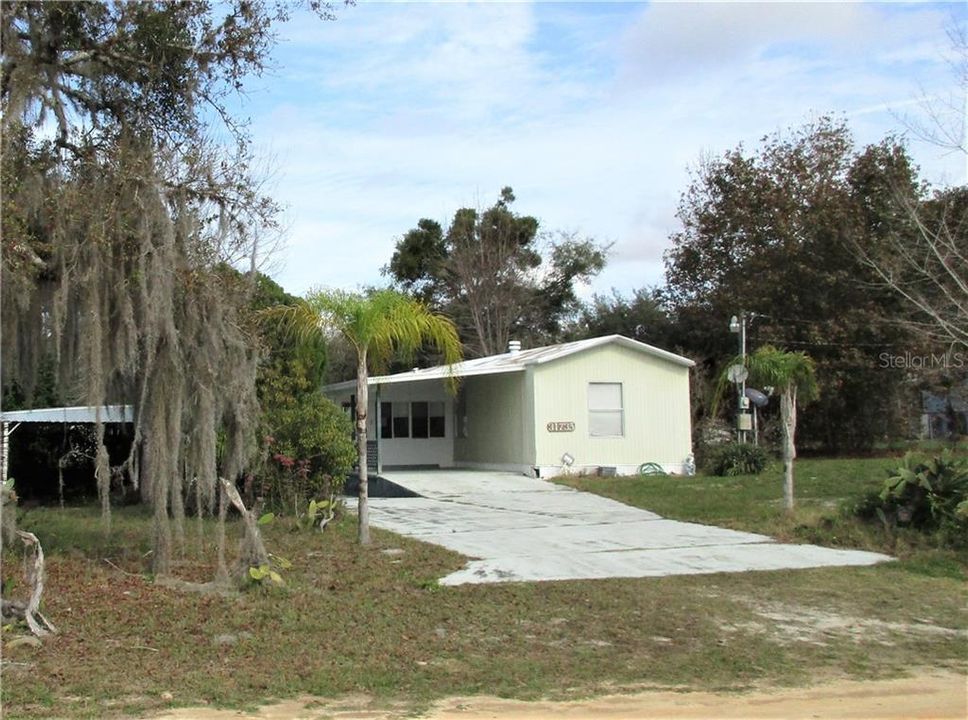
(737, 373)
(756, 397)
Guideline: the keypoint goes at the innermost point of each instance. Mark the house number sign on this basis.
(561, 427)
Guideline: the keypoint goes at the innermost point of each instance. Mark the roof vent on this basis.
(514, 347)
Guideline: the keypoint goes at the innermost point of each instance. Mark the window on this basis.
(605, 415)
(419, 420)
(350, 409)
(436, 422)
(386, 421)
(401, 419)
(416, 420)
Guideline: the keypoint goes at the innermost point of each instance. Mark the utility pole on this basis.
(743, 421)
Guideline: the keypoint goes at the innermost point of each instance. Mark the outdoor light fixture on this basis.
(734, 324)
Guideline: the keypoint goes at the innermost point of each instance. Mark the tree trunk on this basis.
(252, 551)
(35, 578)
(788, 415)
(362, 403)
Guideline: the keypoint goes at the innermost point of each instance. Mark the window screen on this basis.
(416, 419)
(419, 417)
(605, 416)
(436, 420)
(386, 421)
(401, 419)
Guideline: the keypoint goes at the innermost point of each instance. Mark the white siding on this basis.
(495, 422)
(654, 402)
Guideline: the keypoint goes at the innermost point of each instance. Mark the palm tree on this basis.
(377, 324)
(792, 375)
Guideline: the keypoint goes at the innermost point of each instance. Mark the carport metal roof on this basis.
(11, 420)
(514, 362)
(77, 414)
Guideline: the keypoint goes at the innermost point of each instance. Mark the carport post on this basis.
(5, 449)
(3, 452)
(378, 431)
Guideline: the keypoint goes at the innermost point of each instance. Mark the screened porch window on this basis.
(401, 419)
(436, 415)
(386, 421)
(605, 411)
(417, 420)
(420, 419)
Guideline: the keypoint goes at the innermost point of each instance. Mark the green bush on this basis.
(310, 452)
(735, 459)
(927, 495)
(710, 434)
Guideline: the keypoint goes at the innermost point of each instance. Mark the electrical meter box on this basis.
(744, 421)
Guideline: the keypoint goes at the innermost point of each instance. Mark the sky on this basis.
(595, 113)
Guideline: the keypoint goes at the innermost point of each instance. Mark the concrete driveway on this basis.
(523, 529)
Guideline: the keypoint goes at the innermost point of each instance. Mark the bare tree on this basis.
(941, 121)
(928, 266)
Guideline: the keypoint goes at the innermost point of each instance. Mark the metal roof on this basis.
(78, 414)
(514, 362)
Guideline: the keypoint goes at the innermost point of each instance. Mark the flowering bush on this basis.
(309, 453)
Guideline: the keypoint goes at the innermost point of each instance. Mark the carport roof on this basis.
(78, 414)
(514, 362)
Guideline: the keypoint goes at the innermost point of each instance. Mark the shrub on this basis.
(928, 495)
(736, 459)
(309, 454)
(710, 434)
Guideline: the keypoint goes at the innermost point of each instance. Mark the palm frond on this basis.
(770, 366)
(378, 325)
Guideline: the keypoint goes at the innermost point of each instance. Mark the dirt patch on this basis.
(797, 623)
(939, 696)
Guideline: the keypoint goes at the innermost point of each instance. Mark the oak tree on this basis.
(772, 231)
(127, 189)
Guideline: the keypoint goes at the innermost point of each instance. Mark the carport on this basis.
(10, 420)
(517, 528)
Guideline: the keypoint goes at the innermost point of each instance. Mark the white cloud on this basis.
(592, 113)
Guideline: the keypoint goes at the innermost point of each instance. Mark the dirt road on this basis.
(929, 695)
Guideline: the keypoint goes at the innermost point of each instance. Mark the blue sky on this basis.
(593, 112)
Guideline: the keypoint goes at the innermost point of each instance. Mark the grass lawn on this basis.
(376, 622)
(755, 503)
